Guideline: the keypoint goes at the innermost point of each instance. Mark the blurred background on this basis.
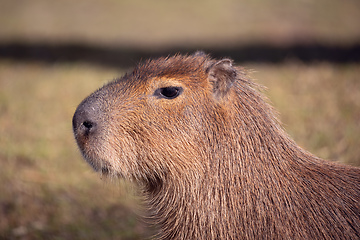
(55, 53)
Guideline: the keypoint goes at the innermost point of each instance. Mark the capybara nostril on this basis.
(82, 125)
(88, 125)
(85, 119)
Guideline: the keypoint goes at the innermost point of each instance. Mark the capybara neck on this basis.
(212, 160)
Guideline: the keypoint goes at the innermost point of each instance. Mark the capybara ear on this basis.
(222, 75)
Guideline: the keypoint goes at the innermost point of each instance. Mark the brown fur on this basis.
(214, 162)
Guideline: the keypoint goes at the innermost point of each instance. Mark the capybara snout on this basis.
(210, 157)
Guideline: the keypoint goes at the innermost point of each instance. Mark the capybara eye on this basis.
(168, 92)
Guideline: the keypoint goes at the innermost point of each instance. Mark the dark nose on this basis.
(85, 119)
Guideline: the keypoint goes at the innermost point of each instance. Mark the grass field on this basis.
(47, 191)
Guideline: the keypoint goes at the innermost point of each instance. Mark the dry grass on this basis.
(49, 192)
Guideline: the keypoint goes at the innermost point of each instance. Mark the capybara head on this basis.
(158, 120)
(210, 157)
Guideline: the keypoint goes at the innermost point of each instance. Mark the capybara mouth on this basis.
(105, 170)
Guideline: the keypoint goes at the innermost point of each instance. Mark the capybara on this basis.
(211, 159)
